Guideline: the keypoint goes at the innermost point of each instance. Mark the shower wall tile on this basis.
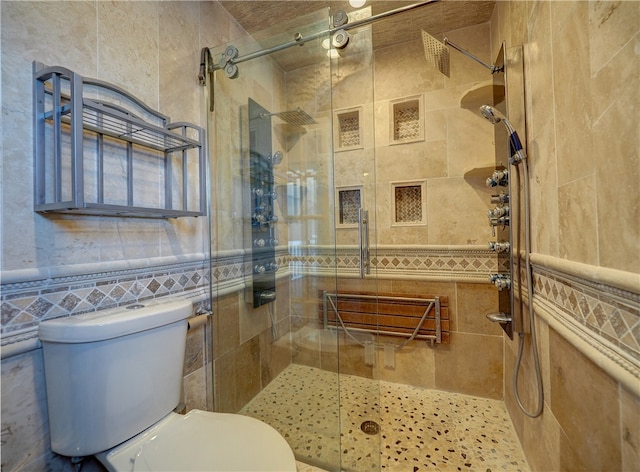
(405, 361)
(473, 144)
(611, 25)
(579, 414)
(630, 429)
(352, 80)
(402, 70)
(539, 73)
(618, 168)
(474, 301)
(237, 375)
(463, 220)
(578, 224)
(226, 324)
(195, 389)
(544, 195)
(421, 160)
(459, 367)
(476, 40)
(572, 83)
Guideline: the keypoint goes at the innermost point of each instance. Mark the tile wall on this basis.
(59, 265)
(582, 101)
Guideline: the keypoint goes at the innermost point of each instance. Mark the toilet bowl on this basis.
(203, 441)
(113, 379)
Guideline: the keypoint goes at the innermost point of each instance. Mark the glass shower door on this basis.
(353, 307)
(274, 245)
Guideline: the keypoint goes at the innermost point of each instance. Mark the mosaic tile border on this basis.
(464, 263)
(24, 305)
(604, 312)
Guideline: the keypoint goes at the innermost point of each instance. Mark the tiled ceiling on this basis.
(446, 15)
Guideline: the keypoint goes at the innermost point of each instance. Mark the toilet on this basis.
(113, 379)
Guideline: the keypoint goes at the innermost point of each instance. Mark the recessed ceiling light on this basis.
(357, 3)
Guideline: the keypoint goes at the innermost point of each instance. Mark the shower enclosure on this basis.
(322, 276)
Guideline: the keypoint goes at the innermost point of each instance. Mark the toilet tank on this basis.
(111, 374)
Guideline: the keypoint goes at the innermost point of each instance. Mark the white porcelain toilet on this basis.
(113, 379)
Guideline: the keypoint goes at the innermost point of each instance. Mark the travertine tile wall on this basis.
(152, 50)
(582, 102)
(455, 140)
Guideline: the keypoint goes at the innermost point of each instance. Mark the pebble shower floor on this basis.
(420, 429)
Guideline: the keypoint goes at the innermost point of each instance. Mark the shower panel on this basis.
(260, 197)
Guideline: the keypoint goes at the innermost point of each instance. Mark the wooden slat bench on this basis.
(392, 314)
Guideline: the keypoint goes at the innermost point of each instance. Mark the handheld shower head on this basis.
(495, 117)
(491, 114)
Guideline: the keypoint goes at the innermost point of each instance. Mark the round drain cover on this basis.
(370, 427)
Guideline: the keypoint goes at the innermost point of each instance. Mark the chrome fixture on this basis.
(502, 197)
(500, 247)
(363, 238)
(340, 22)
(498, 178)
(437, 54)
(501, 281)
(495, 117)
(517, 157)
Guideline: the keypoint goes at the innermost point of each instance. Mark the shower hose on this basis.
(534, 344)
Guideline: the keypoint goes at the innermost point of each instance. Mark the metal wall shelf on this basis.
(101, 151)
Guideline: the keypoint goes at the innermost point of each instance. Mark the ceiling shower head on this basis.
(495, 117)
(295, 117)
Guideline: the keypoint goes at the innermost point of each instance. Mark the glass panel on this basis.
(360, 346)
(274, 245)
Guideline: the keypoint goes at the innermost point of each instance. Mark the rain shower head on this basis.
(437, 53)
(495, 117)
(295, 117)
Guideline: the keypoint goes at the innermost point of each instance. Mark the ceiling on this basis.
(255, 16)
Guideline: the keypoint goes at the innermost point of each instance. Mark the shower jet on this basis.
(495, 117)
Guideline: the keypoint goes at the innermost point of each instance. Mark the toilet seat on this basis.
(203, 441)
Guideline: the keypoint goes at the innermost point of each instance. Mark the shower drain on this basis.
(370, 427)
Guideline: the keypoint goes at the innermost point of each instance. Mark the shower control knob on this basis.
(275, 158)
(259, 269)
(259, 242)
(501, 281)
(273, 220)
(498, 212)
(259, 218)
(274, 242)
(501, 198)
(498, 178)
(272, 266)
(501, 247)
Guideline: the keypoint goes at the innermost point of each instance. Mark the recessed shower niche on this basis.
(406, 117)
(347, 131)
(349, 204)
(409, 203)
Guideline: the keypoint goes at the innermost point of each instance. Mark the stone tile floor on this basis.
(419, 429)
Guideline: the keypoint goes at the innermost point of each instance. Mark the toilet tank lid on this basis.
(115, 322)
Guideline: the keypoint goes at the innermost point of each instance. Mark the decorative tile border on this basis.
(606, 312)
(450, 263)
(25, 304)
